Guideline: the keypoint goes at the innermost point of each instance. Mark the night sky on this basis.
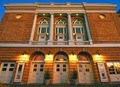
(2, 2)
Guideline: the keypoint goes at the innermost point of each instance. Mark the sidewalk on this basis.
(85, 85)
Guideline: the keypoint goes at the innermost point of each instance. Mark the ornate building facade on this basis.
(60, 38)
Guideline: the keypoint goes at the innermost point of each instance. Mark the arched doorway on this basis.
(85, 73)
(60, 68)
(37, 68)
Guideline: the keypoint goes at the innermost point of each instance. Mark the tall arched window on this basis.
(43, 30)
(79, 30)
(43, 26)
(61, 30)
(78, 26)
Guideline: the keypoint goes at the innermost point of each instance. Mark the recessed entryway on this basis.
(85, 74)
(37, 68)
(60, 68)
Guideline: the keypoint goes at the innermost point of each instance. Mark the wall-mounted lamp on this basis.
(24, 56)
(73, 53)
(24, 53)
(49, 53)
(97, 52)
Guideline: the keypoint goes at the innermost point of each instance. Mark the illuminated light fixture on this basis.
(18, 16)
(76, 14)
(43, 14)
(25, 56)
(49, 53)
(60, 14)
(102, 16)
(73, 53)
(97, 52)
(24, 53)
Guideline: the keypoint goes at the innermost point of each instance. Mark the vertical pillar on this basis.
(33, 29)
(70, 30)
(87, 28)
(50, 42)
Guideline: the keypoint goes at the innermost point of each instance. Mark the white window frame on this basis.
(17, 72)
(114, 77)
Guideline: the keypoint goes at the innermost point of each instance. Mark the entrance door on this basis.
(37, 73)
(6, 72)
(85, 73)
(60, 73)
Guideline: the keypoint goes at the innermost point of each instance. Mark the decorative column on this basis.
(71, 41)
(33, 29)
(87, 28)
(50, 41)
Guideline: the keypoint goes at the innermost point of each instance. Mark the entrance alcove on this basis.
(37, 68)
(61, 70)
(85, 72)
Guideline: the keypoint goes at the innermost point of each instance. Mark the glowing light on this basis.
(98, 58)
(24, 57)
(49, 58)
(60, 14)
(73, 58)
(76, 14)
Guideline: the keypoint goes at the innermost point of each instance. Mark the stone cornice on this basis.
(29, 45)
(83, 6)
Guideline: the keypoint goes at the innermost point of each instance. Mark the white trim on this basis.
(98, 11)
(33, 28)
(60, 11)
(102, 72)
(20, 74)
(99, 5)
(30, 45)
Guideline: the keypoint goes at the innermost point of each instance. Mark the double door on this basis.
(6, 72)
(60, 73)
(85, 73)
(37, 73)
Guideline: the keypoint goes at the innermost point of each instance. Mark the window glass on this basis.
(4, 69)
(113, 67)
(60, 30)
(5, 65)
(12, 65)
(11, 69)
(43, 30)
(77, 30)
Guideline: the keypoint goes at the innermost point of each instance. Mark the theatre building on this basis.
(60, 38)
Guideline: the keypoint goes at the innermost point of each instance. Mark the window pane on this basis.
(4, 69)
(20, 68)
(73, 30)
(77, 30)
(60, 30)
(12, 65)
(43, 30)
(5, 65)
(11, 69)
(47, 30)
(41, 69)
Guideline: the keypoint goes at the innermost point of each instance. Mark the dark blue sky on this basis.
(2, 2)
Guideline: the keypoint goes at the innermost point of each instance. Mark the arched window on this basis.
(61, 57)
(61, 30)
(44, 21)
(43, 26)
(61, 22)
(78, 26)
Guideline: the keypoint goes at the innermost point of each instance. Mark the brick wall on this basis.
(13, 54)
(106, 29)
(16, 29)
